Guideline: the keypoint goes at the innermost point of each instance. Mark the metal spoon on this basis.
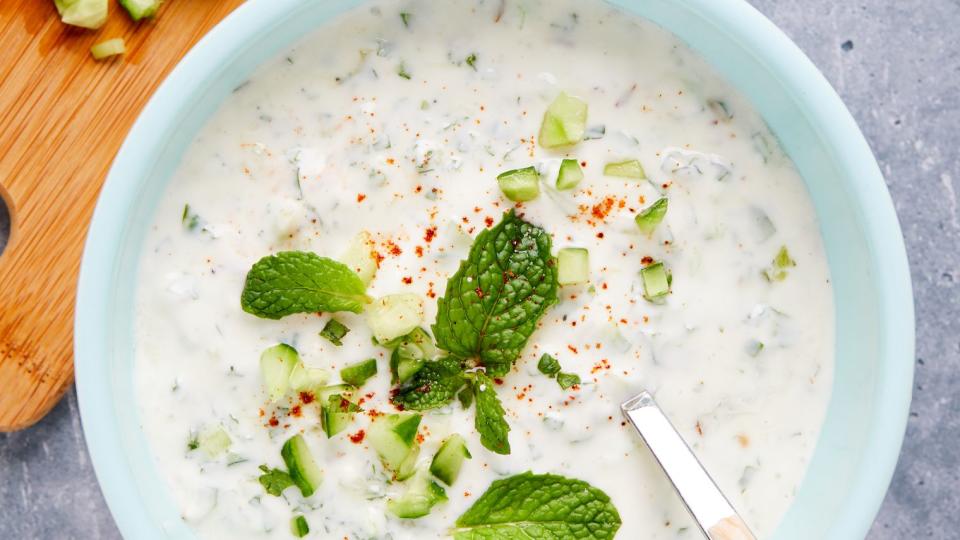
(710, 509)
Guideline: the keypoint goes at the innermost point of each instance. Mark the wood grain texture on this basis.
(63, 117)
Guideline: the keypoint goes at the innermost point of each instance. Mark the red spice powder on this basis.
(306, 397)
(419, 250)
(295, 411)
(408, 280)
(357, 437)
(430, 234)
(361, 197)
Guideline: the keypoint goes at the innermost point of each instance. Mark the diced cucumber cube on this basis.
(409, 464)
(419, 499)
(299, 526)
(625, 169)
(276, 365)
(303, 469)
(345, 390)
(336, 414)
(570, 174)
(307, 379)
(214, 442)
(449, 459)
(394, 437)
(656, 282)
(141, 9)
(573, 266)
(651, 216)
(409, 354)
(334, 332)
(357, 374)
(108, 48)
(360, 257)
(520, 185)
(564, 123)
(403, 367)
(778, 268)
(394, 315)
(83, 13)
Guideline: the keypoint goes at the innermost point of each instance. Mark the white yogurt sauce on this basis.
(395, 156)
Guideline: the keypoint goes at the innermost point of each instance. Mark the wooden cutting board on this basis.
(63, 117)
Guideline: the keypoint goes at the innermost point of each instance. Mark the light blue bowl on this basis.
(858, 448)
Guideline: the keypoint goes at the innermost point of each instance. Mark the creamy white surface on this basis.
(753, 420)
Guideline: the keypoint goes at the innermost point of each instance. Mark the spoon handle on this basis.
(710, 509)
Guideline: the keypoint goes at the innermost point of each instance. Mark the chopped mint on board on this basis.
(301, 282)
(544, 506)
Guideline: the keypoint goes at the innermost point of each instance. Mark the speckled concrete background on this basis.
(896, 63)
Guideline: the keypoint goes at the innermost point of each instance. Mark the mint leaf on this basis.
(548, 365)
(566, 380)
(489, 419)
(274, 481)
(301, 282)
(545, 507)
(494, 300)
(433, 386)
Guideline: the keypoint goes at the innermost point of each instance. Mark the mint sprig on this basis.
(493, 302)
(274, 481)
(433, 386)
(490, 419)
(301, 282)
(547, 507)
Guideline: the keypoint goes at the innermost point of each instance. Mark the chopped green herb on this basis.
(334, 331)
(651, 216)
(405, 17)
(656, 282)
(490, 420)
(357, 374)
(754, 348)
(570, 174)
(299, 527)
(566, 380)
(564, 122)
(539, 506)
(189, 219)
(402, 71)
(520, 185)
(548, 365)
(494, 300)
(301, 282)
(630, 168)
(778, 268)
(466, 397)
(720, 109)
(472, 61)
(274, 481)
(193, 442)
(433, 386)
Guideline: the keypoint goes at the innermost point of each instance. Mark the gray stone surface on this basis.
(896, 63)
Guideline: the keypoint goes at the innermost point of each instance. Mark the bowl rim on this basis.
(779, 54)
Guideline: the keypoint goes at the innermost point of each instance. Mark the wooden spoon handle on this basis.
(63, 117)
(730, 528)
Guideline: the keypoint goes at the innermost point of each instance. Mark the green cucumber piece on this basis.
(141, 9)
(630, 168)
(299, 526)
(108, 48)
(83, 13)
(303, 469)
(573, 266)
(214, 442)
(651, 216)
(656, 282)
(402, 368)
(520, 185)
(564, 123)
(358, 373)
(410, 353)
(346, 390)
(409, 465)
(360, 258)
(334, 331)
(393, 437)
(307, 379)
(570, 174)
(336, 414)
(447, 462)
(419, 499)
(394, 315)
(276, 365)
